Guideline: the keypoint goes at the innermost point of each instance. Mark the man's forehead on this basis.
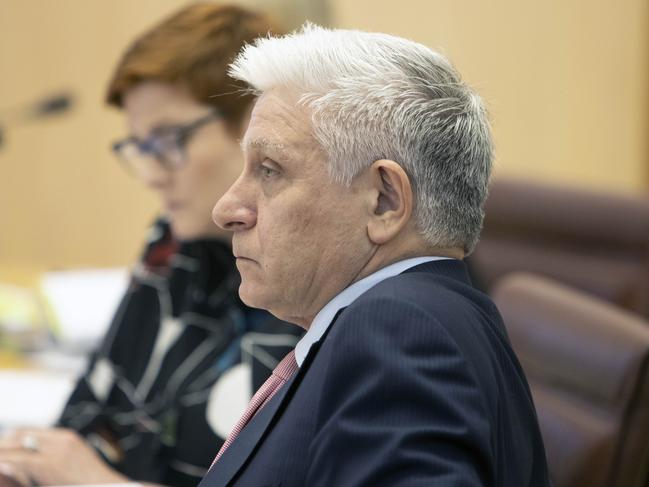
(262, 144)
(278, 123)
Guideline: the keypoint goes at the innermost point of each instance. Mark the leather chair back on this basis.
(592, 241)
(587, 363)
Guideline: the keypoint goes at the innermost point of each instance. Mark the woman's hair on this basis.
(376, 96)
(193, 49)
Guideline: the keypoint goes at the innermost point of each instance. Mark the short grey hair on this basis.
(376, 96)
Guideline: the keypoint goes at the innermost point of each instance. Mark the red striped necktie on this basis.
(284, 370)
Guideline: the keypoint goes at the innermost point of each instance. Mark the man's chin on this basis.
(251, 298)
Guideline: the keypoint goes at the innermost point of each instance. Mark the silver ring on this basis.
(30, 442)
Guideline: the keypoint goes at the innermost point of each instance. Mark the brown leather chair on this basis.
(587, 363)
(592, 241)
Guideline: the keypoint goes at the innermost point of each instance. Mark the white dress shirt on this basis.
(347, 296)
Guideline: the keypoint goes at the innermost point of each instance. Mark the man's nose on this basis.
(231, 212)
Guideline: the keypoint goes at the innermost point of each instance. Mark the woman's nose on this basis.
(153, 174)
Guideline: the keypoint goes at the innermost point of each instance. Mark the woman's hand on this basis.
(55, 456)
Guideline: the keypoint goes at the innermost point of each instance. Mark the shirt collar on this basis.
(347, 296)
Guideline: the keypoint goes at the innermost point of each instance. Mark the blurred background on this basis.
(567, 86)
(566, 82)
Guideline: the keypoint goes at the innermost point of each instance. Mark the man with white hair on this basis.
(366, 168)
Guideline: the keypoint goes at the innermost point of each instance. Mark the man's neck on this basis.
(406, 248)
(379, 260)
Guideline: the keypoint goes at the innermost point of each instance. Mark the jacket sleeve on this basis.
(83, 407)
(399, 404)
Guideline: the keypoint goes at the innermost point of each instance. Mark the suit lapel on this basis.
(236, 455)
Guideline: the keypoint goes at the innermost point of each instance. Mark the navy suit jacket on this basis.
(414, 384)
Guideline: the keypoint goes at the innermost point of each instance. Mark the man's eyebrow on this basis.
(261, 144)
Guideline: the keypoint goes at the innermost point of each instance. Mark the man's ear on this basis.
(392, 205)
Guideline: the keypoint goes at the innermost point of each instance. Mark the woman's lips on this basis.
(172, 206)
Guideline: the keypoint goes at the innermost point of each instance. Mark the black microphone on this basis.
(54, 104)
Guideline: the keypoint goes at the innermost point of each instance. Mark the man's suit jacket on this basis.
(415, 383)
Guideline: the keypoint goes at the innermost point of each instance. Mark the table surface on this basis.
(34, 389)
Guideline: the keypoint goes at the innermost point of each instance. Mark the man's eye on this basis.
(268, 172)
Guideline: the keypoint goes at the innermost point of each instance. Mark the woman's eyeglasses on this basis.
(166, 145)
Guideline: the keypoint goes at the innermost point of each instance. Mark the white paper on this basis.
(83, 302)
(31, 398)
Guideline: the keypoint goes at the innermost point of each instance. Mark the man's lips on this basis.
(242, 258)
(243, 262)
